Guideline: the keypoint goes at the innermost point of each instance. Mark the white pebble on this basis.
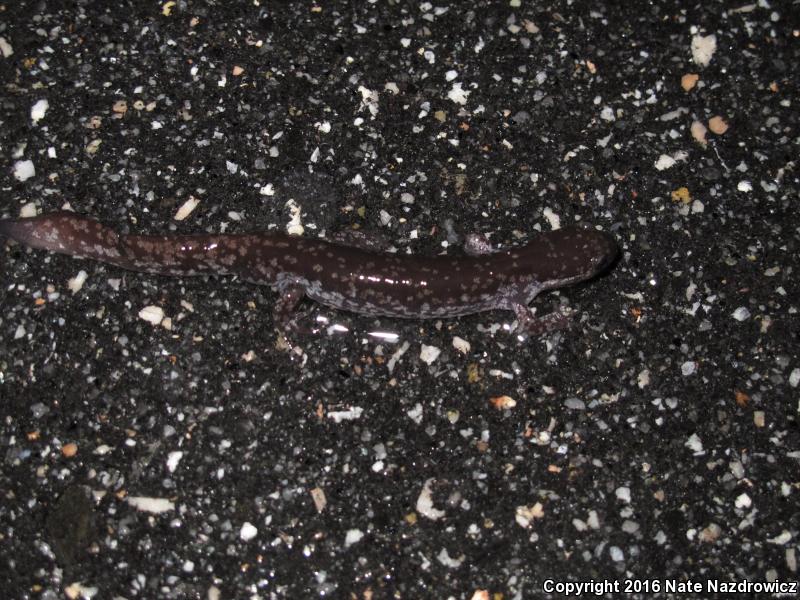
(24, 169)
(76, 283)
(346, 415)
(794, 378)
(694, 443)
(28, 210)
(784, 537)
(173, 458)
(643, 379)
(552, 218)
(248, 531)
(428, 354)
(38, 110)
(352, 536)
(664, 162)
(5, 48)
(457, 94)
(461, 345)
(425, 503)
(186, 208)
(151, 505)
(744, 186)
(703, 48)
(575, 404)
(524, 515)
(741, 314)
(688, 368)
(152, 314)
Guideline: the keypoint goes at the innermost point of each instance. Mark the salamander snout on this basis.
(605, 252)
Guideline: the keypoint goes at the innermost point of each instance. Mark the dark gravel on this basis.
(655, 441)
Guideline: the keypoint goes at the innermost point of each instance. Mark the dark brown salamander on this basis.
(341, 276)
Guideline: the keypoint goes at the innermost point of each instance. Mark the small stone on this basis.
(248, 531)
(717, 125)
(152, 314)
(93, 146)
(699, 132)
(664, 162)
(186, 208)
(24, 170)
(681, 195)
(39, 110)
(694, 443)
(703, 49)
(76, 283)
(353, 536)
(503, 402)
(69, 450)
(575, 404)
(457, 94)
(794, 377)
(688, 81)
(5, 48)
(741, 313)
(711, 533)
(319, 498)
(461, 345)
(429, 354)
(526, 514)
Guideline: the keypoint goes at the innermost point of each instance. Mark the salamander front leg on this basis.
(477, 244)
(527, 323)
(283, 314)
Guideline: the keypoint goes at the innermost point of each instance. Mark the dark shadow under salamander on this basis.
(354, 278)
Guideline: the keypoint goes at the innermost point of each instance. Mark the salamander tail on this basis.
(64, 232)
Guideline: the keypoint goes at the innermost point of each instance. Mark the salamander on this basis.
(353, 278)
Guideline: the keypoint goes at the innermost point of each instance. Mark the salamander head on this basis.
(568, 256)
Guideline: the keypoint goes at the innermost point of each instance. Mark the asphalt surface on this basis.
(652, 444)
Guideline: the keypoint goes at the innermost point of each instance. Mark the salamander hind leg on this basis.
(527, 323)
